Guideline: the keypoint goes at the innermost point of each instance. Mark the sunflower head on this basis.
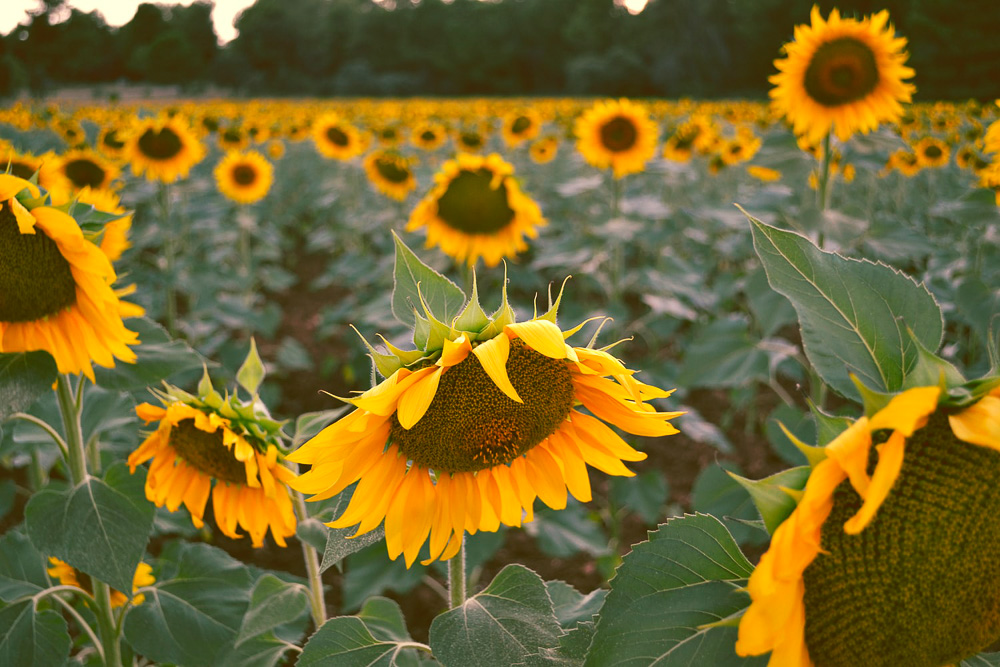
(390, 173)
(543, 151)
(335, 138)
(842, 74)
(932, 152)
(520, 126)
(618, 134)
(244, 177)
(164, 149)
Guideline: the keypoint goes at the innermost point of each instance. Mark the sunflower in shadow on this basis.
(467, 430)
(842, 75)
(477, 209)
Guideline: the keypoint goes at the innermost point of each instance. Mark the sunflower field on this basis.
(533, 382)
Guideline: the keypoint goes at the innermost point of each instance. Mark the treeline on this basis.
(674, 48)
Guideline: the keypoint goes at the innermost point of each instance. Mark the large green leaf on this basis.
(346, 641)
(273, 603)
(158, 358)
(32, 639)
(645, 494)
(385, 620)
(24, 377)
(99, 526)
(193, 613)
(508, 621)
(718, 494)
(688, 574)
(982, 660)
(570, 605)
(722, 354)
(22, 568)
(853, 313)
(443, 297)
(571, 651)
(370, 572)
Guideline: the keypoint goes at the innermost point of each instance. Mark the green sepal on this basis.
(930, 369)
(386, 364)
(473, 318)
(828, 426)
(438, 331)
(251, 373)
(409, 271)
(872, 400)
(814, 455)
(503, 316)
(407, 357)
(29, 202)
(553, 310)
(772, 494)
(957, 398)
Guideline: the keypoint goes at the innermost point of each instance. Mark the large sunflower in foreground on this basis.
(476, 209)
(56, 286)
(390, 173)
(844, 75)
(335, 138)
(244, 177)
(891, 555)
(465, 432)
(67, 575)
(164, 149)
(618, 134)
(207, 438)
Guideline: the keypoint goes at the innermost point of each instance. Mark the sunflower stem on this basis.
(169, 256)
(36, 476)
(76, 459)
(456, 578)
(618, 247)
(317, 603)
(823, 192)
(246, 260)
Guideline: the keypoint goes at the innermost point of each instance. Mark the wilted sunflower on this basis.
(617, 134)
(164, 149)
(932, 152)
(890, 556)
(208, 438)
(543, 151)
(841, 74)
(244, 177)
(55, 286)
(466, 431)
(67, 575)
(521, 126)
(390, 173)
(83, 168)
(428, 136)
(335, 138)
(476, 209)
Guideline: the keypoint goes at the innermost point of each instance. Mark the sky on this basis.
(120, 12)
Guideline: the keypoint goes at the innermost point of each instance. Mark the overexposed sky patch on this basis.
(120, 12)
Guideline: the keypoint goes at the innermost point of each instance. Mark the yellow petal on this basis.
(493, 356)
(890, 462)
(541, 336)
(25, 221)
(414, 403)
(850, 451)
(979, 424)
(455, 351)
(908, 411)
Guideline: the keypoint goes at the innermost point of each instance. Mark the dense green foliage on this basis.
(705, 48)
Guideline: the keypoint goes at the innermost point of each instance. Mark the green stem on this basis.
(456, 578)
(618, 246)
(317, 603)
(823, 192)
(70, 410)
(36, 476)
(170, 256)
(54, 434)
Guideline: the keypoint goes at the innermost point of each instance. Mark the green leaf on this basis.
(158, 358)
(931, 369)
(716, 493)
(340, 544)
(982, 660)
(828, 426)
(570, 605)
(384, 619)
(688, 574)
(262, 651)
(563, 533)
(251, 372)
(722, 354)
(645, 494)
(30, 638)
(192, 615)
(799, 423)
(370, 572)
(23, 378)
(571, 651)
(345, 641)
(273, 603)
(443, 297)
(502, 625)
(22, 568)
(772, 502)
(311, 423)
(98, 527)
(853, 313)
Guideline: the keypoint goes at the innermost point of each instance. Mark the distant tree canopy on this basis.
(674, 48)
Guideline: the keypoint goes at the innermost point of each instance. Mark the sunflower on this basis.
(207, 437)
(114, 235)
(67, 575)
(890, 556)
(55, 286)
(544, 150)
(989, 177)
(470, 139)
(465, 433)
(233, 138)
(476, 209)
(842, 74)
(617, 134)
(26, 165)
(428, 136)
(906, 162)
(932, 152)
(390, 173)
(164, 149)
(84, 167)
(679, 147)
(521, 126)
(244, 177)
(335, 138)
(276, 149)
(112, 142)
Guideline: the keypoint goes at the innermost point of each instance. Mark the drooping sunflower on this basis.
(466, 431)
(56, 286)
(520, 126)
(544, 150)
(244, 177)
(618, 134)
(82, 168)
(932, 152)
(207, 438)
(476, 209)
(67, 575)
(890, 556)
(335, 138)
(164, 149)
(390, 173)
(844, 75)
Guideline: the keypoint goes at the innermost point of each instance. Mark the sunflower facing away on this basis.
(467, 430)
(890, 557)
(207, 438)
(476, 209)
(67, 575)
(335, 138)
(841, 74)
(56, 286)
(244, 178)
(618, 134)
(390, 173)
(164, 149)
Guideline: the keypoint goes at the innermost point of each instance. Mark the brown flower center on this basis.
(206, 452)
(840, 72)
(163, 144)
(337, 136)
(520, 124)
(619, 134)
(83, 172)
(244, 174)
(35, 279)
(470, 205)
(933, 152)
(471, 424)
(111, 140)
(391, 170)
